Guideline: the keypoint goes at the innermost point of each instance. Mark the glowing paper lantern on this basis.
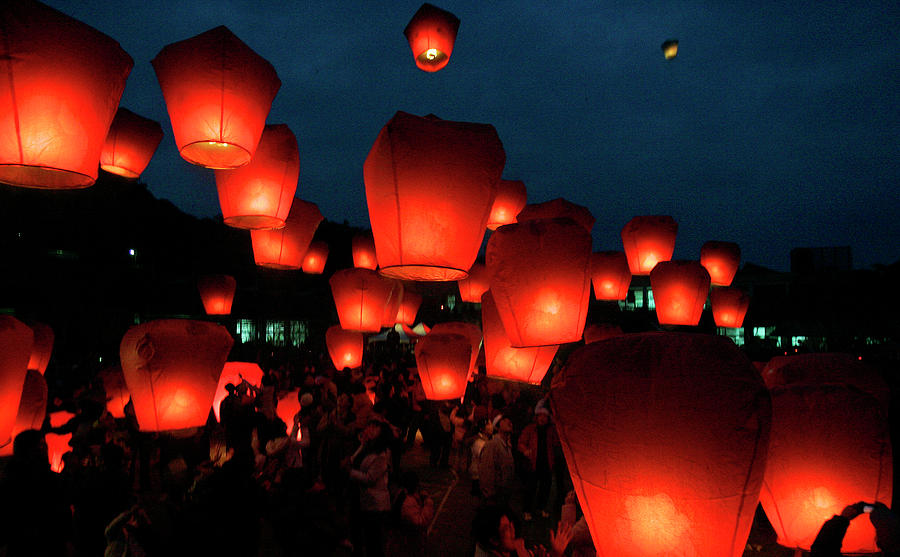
(680, 289)
(285, 248)
(61, 84)
(665, 436)
(344, 347)
(32, 408)
(670, 49)
(235, 373)
(610, 275)
(287, 407)
(16, 339)
(469, 330)
(218, 93)
(443, 362)
(431, 34)
(430, 184)
(721, 260)
(259, 194)
(130, 144)
(558, 208)
(363, 248)
(217, 293)
(511, 198)
(117, 395)
(830, 447)
(315, 258)
(729, 306)
(503, 361)
(392, 306)
(648, 240)
(360, 296)
(472, 287)
(409, 307)
(42, 347)
(596, 332)
(172, 367)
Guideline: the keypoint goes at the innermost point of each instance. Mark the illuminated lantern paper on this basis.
(472, 287)
(58, 443)
(130, 144)
(218, 93)
(430, 184)
(285, 248)
(729, 306)
(360, 296)
(443, 362)
(721, 260)
(680, 289)
(32, 408)
(288, 406)
(610, 275)
(501, 360)
(431, 34)
(117, 395)
(42, 347)
(409, 307)
(259, 194)
(469, 330)
(558, 208)
(315, 258)
(648, 240)
(235, 373)
(596, 332)
(16, 340)
(830, 447)
(363, 249)
(670, 49)
(665, 437)
(217, 293)
(344, 347)
(172, 368)
(511, 198)
(392, 307)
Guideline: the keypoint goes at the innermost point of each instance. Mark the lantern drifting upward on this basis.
(471, 331)
(117, 395)
(729, 306)
(315, 258)
(363, 249)
(443, 363)
(431, 34)
(235, 373)
(360, 296)
(472, 287)
(344, 347)
(665, 436)
(285, 248)
(217, 293)
(680, 289)
(218, 93)
(670, 49)
(501, 360)
(32, 408)
(430, 184)
(16, 340)
(721, 260)
(409, 307)
(511, 198)
(648, 240)
(610, 275)
(42, 348)
(61, 84)
(130, 144)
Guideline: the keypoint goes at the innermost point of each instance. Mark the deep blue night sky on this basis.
(777, 125)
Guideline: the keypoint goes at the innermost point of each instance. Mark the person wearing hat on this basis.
(538, 443)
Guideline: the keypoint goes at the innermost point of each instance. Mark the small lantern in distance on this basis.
(670, 48)
(647, 241)
(721, 260)
(315, 258)
(729, 306)
(472, 287)
(431, 34)
(130, 144)
(360, 296)
(610, 275)
(284, 248)
(511, 198)
(680, 289)
(443, 363)
(217, 293)
(409, 307)
(344, 347)
(468, 330)
(363, 248)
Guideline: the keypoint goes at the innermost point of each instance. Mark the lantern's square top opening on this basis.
(215, 154)
(43, 177)
(430, 273)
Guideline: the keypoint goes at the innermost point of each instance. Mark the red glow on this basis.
(16, 340)
(558, 208)
(360, 296)
(234, 373)
(285, 248)
(217, 293)
(472, 287)
(721, 260)
(409, 307)
(32, 408)
(363, 248)
(315, 258)
(117, 395)
(469, 330)
(57, 446)
(680, 289)
(42, 347)
(431, 34)
(501, 360)
(610, 275)
(392, 307)
(344, 347)
(443, 362)
(729, 306)
(511, 198)
(130, 144)
(648, 240)
(287, 407)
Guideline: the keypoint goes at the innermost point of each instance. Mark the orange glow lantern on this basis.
(218, 93)
(721, 260)
(172, 368)
(363, 249)
(61, 84)
(472, 287)
(511, 198)
(558, 208)
(287, 407)
(117, 395)
(443, 362)
(610, 275)
(680, 289)
(42, 347)
(596, 332)
(648, 240)
(16, 340)
(57, 446)
(285, 248)
(315, 258)
(360, 296)
(32, 408)
(469, 330)
(409, 307)
(217, 293)
(501, 360)
(665, 437)
(729, 306)
(344, 347)
(431, 34)
(259, 194)
(392, 307)
(830, 447)
(130, 144)
(235, 373)
(430, 184)
(670, 49)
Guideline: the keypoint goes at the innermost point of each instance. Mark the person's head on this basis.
(542, 416)
(31, 447)
(230, 388)
(505, 426)
(494, 528)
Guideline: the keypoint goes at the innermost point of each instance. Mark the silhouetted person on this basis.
(831, 535)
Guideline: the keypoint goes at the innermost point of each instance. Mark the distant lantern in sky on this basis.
(663, 465)
(610, 275)
(32, 408)
(729, 306)
(42, 348)
(235, 373)
(472, 287)
(392, 307)
(469, 330)
(511, 198)
(363, 250)
(430, 184)
(217, 293)
(443, 363)
(16, 340)
(344, 347)
(284, 248)
(670, 48)
(501, 360)
(648, 240)
(218, 93)
(61, 82)
(431, 34)
(315, 258)
(259, 194)
(721, 260)
(130, 144)
(595, 332)
(360, 296)
(409, 307)
(172, 367)
(117, 395)
(680, 289)
(540, 277)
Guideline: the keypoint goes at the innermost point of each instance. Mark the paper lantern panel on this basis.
(344, 347)
(315, 258)
(443, 363)
(680, 289)
(130, 144)
(217, 293)
(511, 198)
(647, 241)
(501, 360)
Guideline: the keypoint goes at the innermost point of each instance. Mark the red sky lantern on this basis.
(431, 33)
(344, 347)
(680, 289)
(360, 296)
(501, 360)
(16, 339)
(511, 198)
(648, 240)
(315, 258)
(610, 275)
(218, 93)
(130, 144)
(363, 248)
(540, 279)
(729, 306)
(32, 408)
(42, 348)
(409, 307)
(830, 447)
(217, 293)
(172, 367)
(235, 373)
(663, 465)
(469, 330)
(472, 287)
(392, 307)
(558, 208)
(117, 395)
(443, 363)
(721, 260)
(285, 248)
(61, 84)
(259, 194)
(287, 407)
(430, 184)
(595, 332)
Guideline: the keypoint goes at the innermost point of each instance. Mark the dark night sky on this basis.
(777, 125)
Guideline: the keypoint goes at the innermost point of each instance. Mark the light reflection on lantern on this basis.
(117, 395)
(363, 250)
(42, 347)
(360, 296)
(216, 293)
(647, 241)
(315, 258)
(511, 198)
(443, 363)
(721, 260)
(344, 347)
(472, 287)
(16, 340)
(431, 34)
(32, 408)
(501, 360)
(409, 307)
(235, 373)
(610, 275)
(729, 306)
(130, 144)
(284, 248)
(469, 330)
(680, 289)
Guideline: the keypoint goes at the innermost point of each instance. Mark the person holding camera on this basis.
(831, 535)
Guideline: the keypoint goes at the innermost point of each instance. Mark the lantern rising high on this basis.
(430, 184)
(670, 49)
(501, 360)
(285, 248)
(431, 34)
(42, 348)
(16, 339)
(61, 84)
(680, 289)
(443, 363)
(721, 260)
(235, 373)
(218, 93)
(511, 198)
(409, 307)
(344, 347)
(610, 275)
(315, 258)
(360, 296)
(217, 293)
(472, 287)
(363, 250)
(648, 240)
(665, 437)
(130, 144)
(729, 306)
